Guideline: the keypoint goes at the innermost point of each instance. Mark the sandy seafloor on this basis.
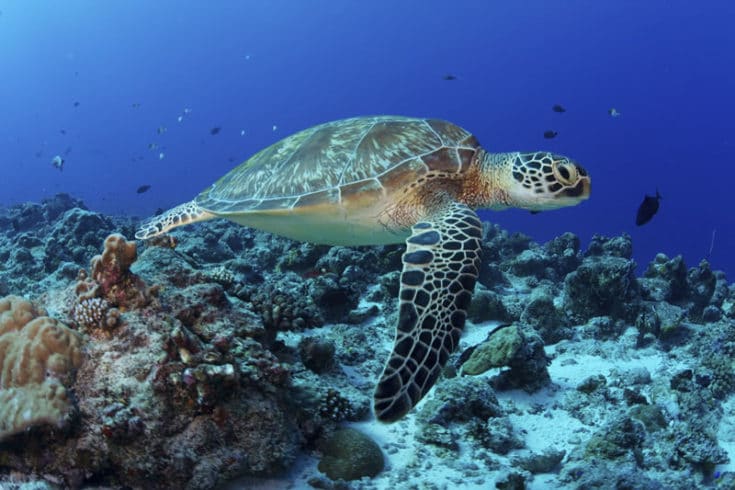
(206, 379)
(550, 427)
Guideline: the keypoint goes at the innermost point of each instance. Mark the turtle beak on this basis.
(581, 191)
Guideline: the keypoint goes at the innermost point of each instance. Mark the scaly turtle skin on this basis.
(385, 179)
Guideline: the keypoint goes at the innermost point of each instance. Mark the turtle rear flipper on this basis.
(440, 268)
(183, 214)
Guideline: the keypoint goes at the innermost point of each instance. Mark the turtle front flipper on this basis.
(181, 215)
(440, 268)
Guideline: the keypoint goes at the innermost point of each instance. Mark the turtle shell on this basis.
(329, 162)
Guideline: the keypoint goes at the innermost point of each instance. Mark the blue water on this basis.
(134, 66)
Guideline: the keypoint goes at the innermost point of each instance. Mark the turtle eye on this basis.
(565, 173)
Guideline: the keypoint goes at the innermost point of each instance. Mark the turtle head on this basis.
(541, 180)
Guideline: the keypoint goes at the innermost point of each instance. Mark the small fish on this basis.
(550, 134)
(449, 76)
(62, 131)
(135, 105)
(180, 118)
(58, 162)
(152, 146)
(161, 129)
(142, 189)
(159, 212)
(613, 112)
(647, 209)
(76, 103)
(215, 130)
(558, 108)
(161, 156)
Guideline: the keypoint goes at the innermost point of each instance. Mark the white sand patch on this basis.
(537, 418)
(726, 434)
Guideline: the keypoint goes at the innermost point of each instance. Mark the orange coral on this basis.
(111, 277)
(42, 347)
(16, 312)
(28, 406)
(38, 355)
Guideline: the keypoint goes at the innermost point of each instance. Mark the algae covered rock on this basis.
(666, 279)
(618, 246)
(519, 349)
(702, 282)
(602, 286)
(487, 305)
(460, 399)
(564, 252)
(621, 436)
(497, 351)
(542, 315)
(350, 455)
(532, 262)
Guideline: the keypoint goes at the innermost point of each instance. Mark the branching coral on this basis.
(93, 313)
(282, 308)
(336, 407)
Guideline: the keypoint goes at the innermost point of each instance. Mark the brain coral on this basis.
(37, 356)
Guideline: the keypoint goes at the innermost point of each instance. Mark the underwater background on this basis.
(104, 85)
(596, 353)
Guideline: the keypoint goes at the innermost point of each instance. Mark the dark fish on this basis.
(550, 134)
(214, 130)
(449, 76)
(76, 103)
(143, 189)
(159, 212)
(558, 108)
(62, 131)
(647, 209)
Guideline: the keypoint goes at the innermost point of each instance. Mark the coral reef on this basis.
(91, 313)
(110, 277)
(509, 346)
(42, 243)
(604, 283)
(252, 351)
(38, 357)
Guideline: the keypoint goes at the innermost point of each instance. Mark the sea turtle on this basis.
(381, 180)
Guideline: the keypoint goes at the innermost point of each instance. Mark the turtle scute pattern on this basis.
(441, 265)
(329, 156)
